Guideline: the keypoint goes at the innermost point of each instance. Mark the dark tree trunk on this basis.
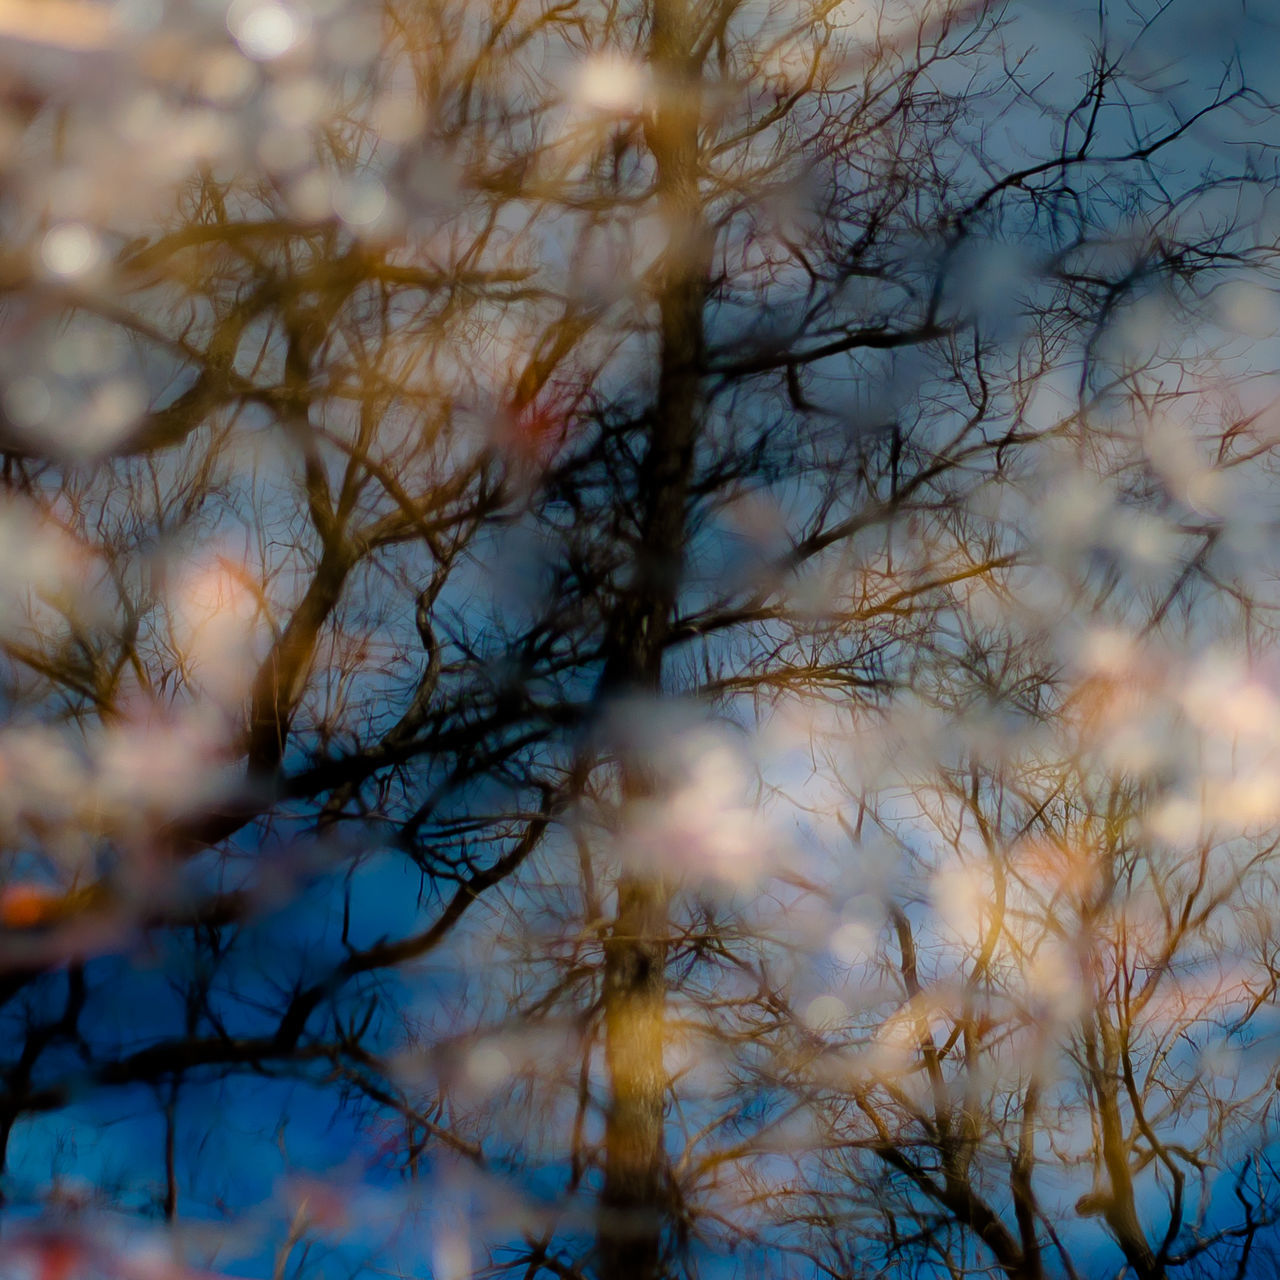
(635, 1197)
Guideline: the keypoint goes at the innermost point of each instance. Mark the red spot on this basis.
(534, 433)
(58, 1259)
(322, 1204)
(26, 906)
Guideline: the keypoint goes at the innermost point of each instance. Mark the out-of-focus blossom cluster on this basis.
(703, 824)
(111, 113)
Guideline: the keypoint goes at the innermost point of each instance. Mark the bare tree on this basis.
(460, 458)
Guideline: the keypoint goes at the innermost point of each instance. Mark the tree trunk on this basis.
(635, 1198)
